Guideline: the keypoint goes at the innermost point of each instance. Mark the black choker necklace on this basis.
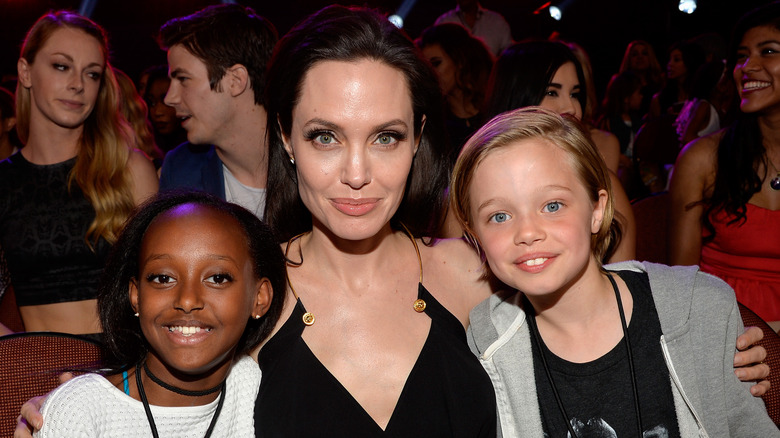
(148, 409)
(538, 341)
(178, 390)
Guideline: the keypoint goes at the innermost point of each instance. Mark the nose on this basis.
(172, 96)
(77, 83)
(356, 171)
(751, 63)
(188, 297)
(568, 106)
(528, 230)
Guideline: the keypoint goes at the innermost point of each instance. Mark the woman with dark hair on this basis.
(67, 193)
(725, 188)
(685, 58)
(357, 173)
(547, 74)
(463, 65)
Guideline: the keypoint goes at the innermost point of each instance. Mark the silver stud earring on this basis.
(292, 161)
(136, 314)
(257, 316)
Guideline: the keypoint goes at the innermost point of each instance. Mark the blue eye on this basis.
(499, 218)
(552, 207)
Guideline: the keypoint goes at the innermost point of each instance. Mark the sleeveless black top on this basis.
(42, 229)
(447, 393)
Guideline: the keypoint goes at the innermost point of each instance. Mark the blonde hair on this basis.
(654, 73)
(527, 123)
(101, 164)
(134, 110)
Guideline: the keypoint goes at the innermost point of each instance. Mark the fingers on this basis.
(30, 418)
(754, 355)
(752, 373)
(64, 377)
(23, 430)
(750, 337)
(760, 388)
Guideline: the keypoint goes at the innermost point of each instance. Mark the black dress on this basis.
(447, 393)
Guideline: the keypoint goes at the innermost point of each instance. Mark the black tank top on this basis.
(42, 229)
(447, 392)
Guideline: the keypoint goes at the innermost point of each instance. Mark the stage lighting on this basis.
(555, 12)
(397, 20)
(687, 6)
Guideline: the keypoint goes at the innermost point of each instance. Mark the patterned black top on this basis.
(42, 229)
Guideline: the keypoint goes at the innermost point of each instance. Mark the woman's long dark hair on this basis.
(337, 33)
(741, 150)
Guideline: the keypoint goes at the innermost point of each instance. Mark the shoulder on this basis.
(453, 273)
(145, 181)
(699, 157)
(72, 398)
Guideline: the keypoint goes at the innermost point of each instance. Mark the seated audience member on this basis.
(8, 140)
(711, 97)
(489, 26)
(134, 110)
(167, 129)
(66, 194)
(580, 349)
(463, 65)
(725, 188)
(685, 58)
(221, 52)
(605, 141)
(639, 58)
(206, 285)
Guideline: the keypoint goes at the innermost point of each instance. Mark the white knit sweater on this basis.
(90, 406)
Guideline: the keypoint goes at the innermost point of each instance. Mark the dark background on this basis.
(602, 27)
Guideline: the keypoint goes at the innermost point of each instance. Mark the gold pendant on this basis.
(419, 306)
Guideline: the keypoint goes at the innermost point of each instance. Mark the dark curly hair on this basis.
(125, 343)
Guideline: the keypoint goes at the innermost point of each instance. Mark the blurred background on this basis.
(602, 27)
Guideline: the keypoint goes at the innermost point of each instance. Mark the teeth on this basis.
(754, 85)
(535, 262)
(186, 330)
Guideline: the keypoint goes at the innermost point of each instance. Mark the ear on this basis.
(237, 78)
(133, 294)
(23, 70)
(285, 140)
(8, 124)
(263, 298)
(419, 136)
(598, 211)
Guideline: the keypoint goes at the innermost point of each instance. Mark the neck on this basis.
(352, 261)
(160, 396)
(770, 132)
(245, 151)
(460, 106)
(51, 144)
(582, 323)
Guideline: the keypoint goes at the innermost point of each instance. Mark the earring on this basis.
(257, 316)
(292, 161)
(136, 314)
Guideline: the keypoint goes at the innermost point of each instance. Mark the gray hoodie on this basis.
(700, 322)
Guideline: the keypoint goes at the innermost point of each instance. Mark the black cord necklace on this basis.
(148, 409)
(538, 341)
(178, 390)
